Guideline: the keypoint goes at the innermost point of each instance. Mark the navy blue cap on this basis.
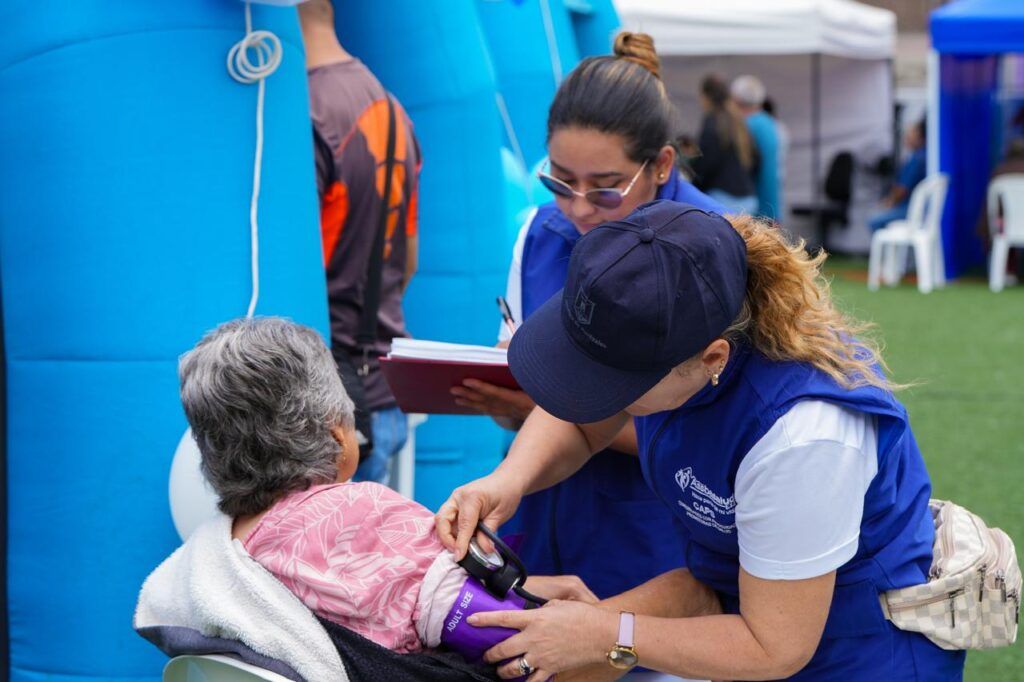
(643, 294)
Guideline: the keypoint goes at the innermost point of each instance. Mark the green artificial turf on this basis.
(964, 347)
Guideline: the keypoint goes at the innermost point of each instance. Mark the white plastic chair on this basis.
(403, 478)
(920, 231)
(216, 668)
(1008, 191)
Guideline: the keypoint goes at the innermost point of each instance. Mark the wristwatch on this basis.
(623, 655)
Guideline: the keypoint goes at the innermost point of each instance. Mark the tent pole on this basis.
(933, 112)
(897, 116)
(932, 147)
(816, 148)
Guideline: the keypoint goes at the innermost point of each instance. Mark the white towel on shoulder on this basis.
(212, 585)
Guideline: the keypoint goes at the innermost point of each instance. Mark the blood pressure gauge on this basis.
(500, 571)
(485, 562)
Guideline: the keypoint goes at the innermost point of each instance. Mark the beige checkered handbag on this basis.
(972, 597)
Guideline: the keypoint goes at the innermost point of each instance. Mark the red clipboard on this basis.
(424, 386)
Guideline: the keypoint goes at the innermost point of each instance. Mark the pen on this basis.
(506, 314)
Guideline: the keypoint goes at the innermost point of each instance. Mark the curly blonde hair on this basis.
(788, 312)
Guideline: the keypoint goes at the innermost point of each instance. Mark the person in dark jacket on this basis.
(728, 158)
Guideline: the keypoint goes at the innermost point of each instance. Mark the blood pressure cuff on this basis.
(469, 641)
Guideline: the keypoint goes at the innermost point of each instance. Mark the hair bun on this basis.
(639, 49)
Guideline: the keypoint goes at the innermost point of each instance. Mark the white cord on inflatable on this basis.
(267, 47)
(510, 129)
(549, 31)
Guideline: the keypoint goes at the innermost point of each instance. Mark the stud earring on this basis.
(661, 176)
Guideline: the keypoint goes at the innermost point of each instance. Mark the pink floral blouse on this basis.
(354, 553)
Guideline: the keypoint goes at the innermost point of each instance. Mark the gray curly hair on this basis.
(262, 397)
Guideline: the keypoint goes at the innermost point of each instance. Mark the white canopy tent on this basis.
(826, 65)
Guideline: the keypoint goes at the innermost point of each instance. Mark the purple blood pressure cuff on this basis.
(472, 642)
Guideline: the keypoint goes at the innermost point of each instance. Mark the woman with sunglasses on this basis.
(609, 128)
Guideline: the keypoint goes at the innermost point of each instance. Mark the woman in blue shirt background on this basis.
(912, 172)
(609, 131)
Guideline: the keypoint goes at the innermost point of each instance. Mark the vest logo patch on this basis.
(683, 478)
(583, 308)
(703, 505)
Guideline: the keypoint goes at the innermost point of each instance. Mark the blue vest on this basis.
(690, 457)
(603, 523)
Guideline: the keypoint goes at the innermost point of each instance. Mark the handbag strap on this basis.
(367, 333)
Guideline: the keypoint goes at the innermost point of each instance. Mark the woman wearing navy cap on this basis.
(772, 435)
(609, 128)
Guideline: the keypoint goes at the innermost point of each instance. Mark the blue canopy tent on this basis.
(969, 39)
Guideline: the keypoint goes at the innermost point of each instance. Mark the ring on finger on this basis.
(524, 667)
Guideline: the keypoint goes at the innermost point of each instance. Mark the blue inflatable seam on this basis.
(75, 43)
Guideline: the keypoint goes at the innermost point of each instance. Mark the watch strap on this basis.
(627, 620)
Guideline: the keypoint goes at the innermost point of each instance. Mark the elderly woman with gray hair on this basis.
(275, 430)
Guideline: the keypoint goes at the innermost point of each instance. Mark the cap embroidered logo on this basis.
(583, 307)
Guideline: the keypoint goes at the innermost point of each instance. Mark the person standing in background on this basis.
(748, 94)
(782, 131)
(913, 171)
(356, 123)
(727, 160)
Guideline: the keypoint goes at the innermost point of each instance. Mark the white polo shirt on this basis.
(800, 491)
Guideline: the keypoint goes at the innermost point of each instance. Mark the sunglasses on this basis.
(602, 197)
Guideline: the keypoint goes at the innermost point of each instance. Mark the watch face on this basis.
(622, 658)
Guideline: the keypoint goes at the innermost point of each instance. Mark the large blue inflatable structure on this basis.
(125, 185)
(127, 170)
